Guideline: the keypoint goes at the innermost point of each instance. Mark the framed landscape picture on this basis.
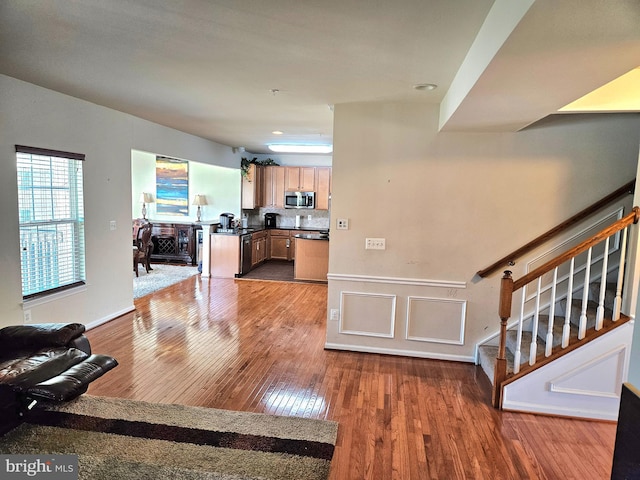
(172, 186)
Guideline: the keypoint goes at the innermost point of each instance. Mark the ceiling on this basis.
(234, 71)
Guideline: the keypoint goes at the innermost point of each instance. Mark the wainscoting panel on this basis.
(609, 367)
(438, 320)
(583, 383)
(368, 314)
(416, 317)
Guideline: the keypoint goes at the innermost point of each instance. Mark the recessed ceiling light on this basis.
(301, 148)
(277, 132)
(425, 86)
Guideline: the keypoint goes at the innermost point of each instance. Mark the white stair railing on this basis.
(509, 286)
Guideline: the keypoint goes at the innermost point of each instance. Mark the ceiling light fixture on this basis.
(425, 86)
(301, 148)
(277, 132)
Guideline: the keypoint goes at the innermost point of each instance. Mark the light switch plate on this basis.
(342, 224)
(375, 244)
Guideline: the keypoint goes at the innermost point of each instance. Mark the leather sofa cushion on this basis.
(23, 372)
(73, 381)
(35, 337)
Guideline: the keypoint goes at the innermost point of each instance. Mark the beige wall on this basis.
(448, 205)
(38, 117)
(221, 186)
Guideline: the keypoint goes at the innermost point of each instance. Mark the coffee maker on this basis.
(270, 220)
(226, 221)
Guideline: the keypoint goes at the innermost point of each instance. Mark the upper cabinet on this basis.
(253, 188)
(300, 179)
(273, 179)
(264, 186)
(323, 187)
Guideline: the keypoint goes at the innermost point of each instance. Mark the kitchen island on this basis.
(312, 257)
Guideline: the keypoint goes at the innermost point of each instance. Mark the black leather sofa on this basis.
(44, 362)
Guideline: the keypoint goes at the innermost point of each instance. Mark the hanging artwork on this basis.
(172, 186)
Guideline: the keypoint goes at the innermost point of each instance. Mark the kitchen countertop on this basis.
(254, 229)
(312, 236)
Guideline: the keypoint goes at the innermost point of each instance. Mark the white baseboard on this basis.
(108, 318)
(555, 410)
(398, 352)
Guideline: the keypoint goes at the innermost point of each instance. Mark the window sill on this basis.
(34, 302)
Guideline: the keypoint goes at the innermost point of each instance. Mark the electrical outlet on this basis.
(375, 244)
(112, 225)
(309, 217)
(334, 314)
(342, 224)
(27, 316)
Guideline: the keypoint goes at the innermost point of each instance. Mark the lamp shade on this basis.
(200, 200)
(146, 197)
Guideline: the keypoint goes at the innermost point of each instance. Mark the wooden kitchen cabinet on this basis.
(313, 260)
(323, 187)
(300, 179)
(253, 188)
(280, 248)
(273, 179)
(258, 248)
(225, 256)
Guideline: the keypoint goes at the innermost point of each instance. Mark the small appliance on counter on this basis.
(226, 222)
(270, 220)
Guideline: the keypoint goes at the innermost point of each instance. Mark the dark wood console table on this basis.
(176, 242)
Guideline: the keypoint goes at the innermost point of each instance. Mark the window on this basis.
(51, 215)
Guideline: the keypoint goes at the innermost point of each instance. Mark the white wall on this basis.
(221, 186)
(450, 204)
(38, 117)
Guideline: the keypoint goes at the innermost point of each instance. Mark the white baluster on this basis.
(533, 348)
(552, 312)
(582, 329)
(617, 303)
(603, 286)
(566, 328)
(517, 355)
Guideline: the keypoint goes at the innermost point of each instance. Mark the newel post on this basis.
(504, 311)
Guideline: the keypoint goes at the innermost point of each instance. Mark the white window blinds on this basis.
(51, 213)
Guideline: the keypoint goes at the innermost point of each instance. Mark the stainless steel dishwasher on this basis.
(245, 253)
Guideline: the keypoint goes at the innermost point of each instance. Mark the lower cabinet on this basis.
(280, 245)
(224, 254)
(258, 248)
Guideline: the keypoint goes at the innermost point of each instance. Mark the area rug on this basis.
(161, 276)
(125, 439)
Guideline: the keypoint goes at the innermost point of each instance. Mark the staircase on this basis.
(488, 352)
(567, 350)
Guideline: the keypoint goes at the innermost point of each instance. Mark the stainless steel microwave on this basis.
(299, 200)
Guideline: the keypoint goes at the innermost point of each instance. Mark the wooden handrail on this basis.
(633, 217)
(510, 259)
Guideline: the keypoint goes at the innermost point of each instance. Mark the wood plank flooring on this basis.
(258, 346)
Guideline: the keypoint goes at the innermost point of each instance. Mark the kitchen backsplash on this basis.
(287, 217)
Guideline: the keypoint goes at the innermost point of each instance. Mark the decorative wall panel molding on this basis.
(608, 367)
(422, 282)
(436, 320)
(368, 314)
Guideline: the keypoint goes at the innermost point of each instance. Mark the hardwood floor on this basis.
(258, 346)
